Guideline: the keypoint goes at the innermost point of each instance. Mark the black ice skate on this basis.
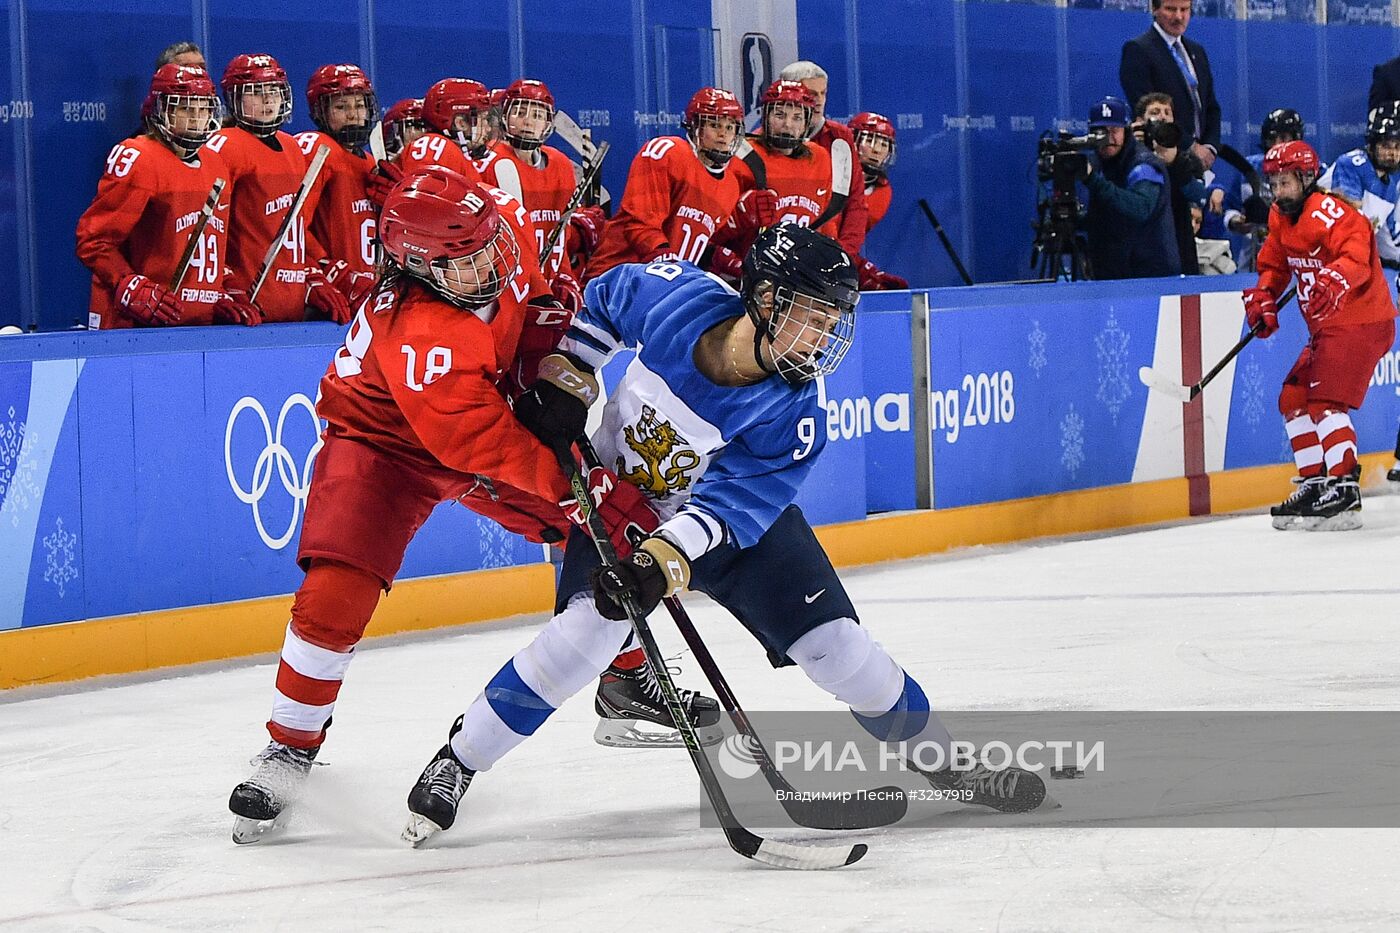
(1289, 513)
(1009, 790)
(432, 804)
(1336, 508)
(629, 697)
(1393, 476)
(259, 803)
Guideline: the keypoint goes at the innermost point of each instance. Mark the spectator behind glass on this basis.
(182, 53)
(1155, 127)
(1212, 256)
(1163, 59)
(1128, 221)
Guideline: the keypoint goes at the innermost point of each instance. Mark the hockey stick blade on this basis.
(1167, 386)
(811, 856)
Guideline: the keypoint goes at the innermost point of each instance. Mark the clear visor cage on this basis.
(176, 118)
(255, 119)
(394, 134)
(868, 137)
(807, 337)
(524, 107)
(713, 121)
(477, 279)
(1305, 180)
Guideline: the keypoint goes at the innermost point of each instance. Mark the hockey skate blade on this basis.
(419, 830)
(808, 858)
(1160, 383)
(1347, 521)
(247, 831)
(625, 733)
(1287, 522)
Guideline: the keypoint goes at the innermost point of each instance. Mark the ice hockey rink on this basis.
(113, 794)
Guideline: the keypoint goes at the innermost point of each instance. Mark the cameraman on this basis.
(1128, 220)
(1156, 128)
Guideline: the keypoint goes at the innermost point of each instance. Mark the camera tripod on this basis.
(1061, 250)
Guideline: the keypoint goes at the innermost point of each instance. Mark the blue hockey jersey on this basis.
(1354, 176)
(715, 461)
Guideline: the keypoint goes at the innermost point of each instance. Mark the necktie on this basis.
(1180, 54)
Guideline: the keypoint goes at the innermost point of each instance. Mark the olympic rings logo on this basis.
(274, 452)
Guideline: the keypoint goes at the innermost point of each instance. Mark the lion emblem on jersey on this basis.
(657, 442)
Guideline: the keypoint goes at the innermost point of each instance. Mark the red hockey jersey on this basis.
(671, 207)
(344, 224)
(545, 191)
(437, 149)
(263, 182)
(877, 202)
(802, 183)
(1332, 233)
(145, 210)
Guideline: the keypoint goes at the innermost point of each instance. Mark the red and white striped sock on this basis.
(1307, 449)
(308, 682)
(1338, 440)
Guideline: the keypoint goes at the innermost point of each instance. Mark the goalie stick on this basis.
(1169, 386)
(881, 807)
(744, 841)
(192, 243)
(307, 182)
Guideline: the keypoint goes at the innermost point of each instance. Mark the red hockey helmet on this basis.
(440, 227)
(869, 129)
(182, 107)
(260, 77)
(403, 123)
(332, 81)
(1292, 156)
(785, 94)
(527, 98)
(451, 98)
(719, 109)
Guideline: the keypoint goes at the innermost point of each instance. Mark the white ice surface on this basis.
(112, 796)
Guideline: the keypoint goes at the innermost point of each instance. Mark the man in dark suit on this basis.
(1385, 84)
(1163, 59)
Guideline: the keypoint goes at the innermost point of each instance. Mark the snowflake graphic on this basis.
(1036, 338)
(61, 566)
(1252, 386)
(1072, 442)
(1111, 346)
(495, 544)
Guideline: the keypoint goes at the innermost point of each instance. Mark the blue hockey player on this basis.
(1369, 177)
(717, 420)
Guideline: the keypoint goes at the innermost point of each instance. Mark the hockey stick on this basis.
(590, 175)
(573, 134)
(1169, 386)
(880, 807)
(947, 243)
(307, 182)
(741, 840)
(750, 157)
(205, 213)
(840, 182)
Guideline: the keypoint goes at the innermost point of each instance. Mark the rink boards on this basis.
(153, 482)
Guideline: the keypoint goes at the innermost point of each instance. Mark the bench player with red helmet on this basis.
(415, 416)
(875, 148)
(135, 231)
(403, 123)
(679, 190)
(1329, 246)
(453, 113)
(799, 175)
(266, 168)
(344, 108)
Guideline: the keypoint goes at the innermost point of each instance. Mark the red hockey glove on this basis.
(624, 509)
(567, 292)
(381, 180)
(323, 300)
(874, 279)
(235, 308)
(585, 230)
(656, 570)
(1327, 294)
(546, 322)
(757, 208)
(727, 263)
(353, 285)
(147, 302)
(1259, 306)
